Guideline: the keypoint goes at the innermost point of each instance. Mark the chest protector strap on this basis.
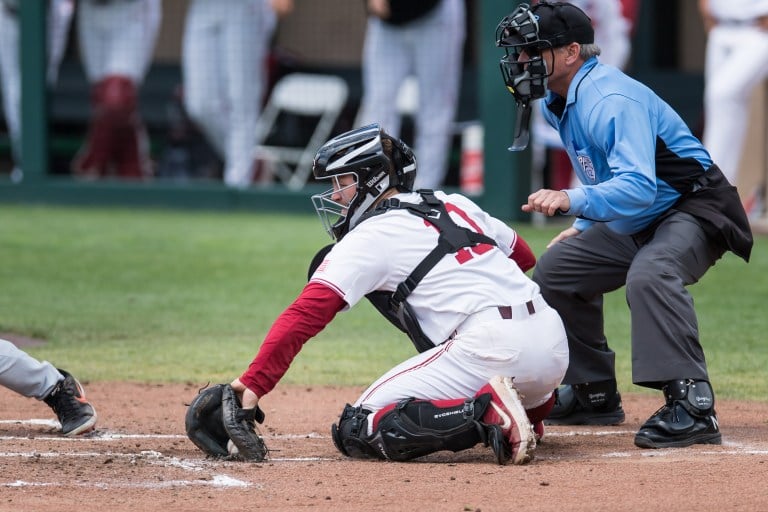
(452, 238)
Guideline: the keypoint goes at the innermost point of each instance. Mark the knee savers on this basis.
(411, 429)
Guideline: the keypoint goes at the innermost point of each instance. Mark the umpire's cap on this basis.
(562, 23)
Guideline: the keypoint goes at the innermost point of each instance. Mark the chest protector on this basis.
(394, 305)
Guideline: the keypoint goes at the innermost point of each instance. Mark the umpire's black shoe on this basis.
(73, 410)
(597, 403)
(687, 418)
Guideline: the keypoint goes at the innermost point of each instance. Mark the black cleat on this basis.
(686, 419)
(68, 401)
(573, 407)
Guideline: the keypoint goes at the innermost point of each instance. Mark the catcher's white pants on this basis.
(531, 348)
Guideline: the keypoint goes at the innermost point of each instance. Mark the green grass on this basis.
(155, 296)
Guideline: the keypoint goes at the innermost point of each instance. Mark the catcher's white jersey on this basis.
(382, 251)
(456, 304)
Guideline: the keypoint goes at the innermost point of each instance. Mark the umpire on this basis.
(653, 213)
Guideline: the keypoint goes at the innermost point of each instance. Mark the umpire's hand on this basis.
(548, 202)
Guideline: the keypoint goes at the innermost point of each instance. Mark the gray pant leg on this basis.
(573, 276)
(665, 335)
(24, 374)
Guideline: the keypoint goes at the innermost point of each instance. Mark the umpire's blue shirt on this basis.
(631, 151)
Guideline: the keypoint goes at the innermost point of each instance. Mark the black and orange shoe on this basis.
(73, 410)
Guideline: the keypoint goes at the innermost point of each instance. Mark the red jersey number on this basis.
(464, 254)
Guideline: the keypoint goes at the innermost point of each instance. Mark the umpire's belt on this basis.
(516, 312)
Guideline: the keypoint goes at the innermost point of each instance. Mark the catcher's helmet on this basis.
(362, 154)
(536, 29)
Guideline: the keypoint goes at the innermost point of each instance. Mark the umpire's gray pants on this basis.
(575, 273)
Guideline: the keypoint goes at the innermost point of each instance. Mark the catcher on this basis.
(491, 351)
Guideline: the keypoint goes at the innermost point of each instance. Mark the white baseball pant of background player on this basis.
(59, 21)
(224, 67)
(736, 62)
(430, 48)
(117, 39)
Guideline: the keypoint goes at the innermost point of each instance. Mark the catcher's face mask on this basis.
(333, 205)
(356, 163)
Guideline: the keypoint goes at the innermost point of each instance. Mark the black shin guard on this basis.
(412, 429)
(597, 396)
(696, 396)
(349, 435)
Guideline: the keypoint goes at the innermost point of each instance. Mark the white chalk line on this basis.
(45, 423)
(737, 449)
(593, 433)
(151, 457)
(148, 456)
(108, 436)
(223, 481)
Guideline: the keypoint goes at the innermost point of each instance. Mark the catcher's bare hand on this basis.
(248, 398)
(548, 202)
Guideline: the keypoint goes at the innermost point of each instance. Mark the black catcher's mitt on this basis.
(240, 425)
(204, 423)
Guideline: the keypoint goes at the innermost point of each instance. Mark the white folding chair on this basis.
(302, 94)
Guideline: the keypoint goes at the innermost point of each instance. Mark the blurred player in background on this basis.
(423, 38)
(117, 38)
(736, 64)
(224, 52)
(59, 20)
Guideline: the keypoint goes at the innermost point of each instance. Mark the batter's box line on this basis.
(595, 433)
(103, 435)
(107, 435)
(148, 456)
(222, 481)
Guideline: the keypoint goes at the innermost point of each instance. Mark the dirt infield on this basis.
(139, 459)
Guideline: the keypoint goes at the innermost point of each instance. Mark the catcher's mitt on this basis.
(215, 417)
(204, 423)
(240, 425)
